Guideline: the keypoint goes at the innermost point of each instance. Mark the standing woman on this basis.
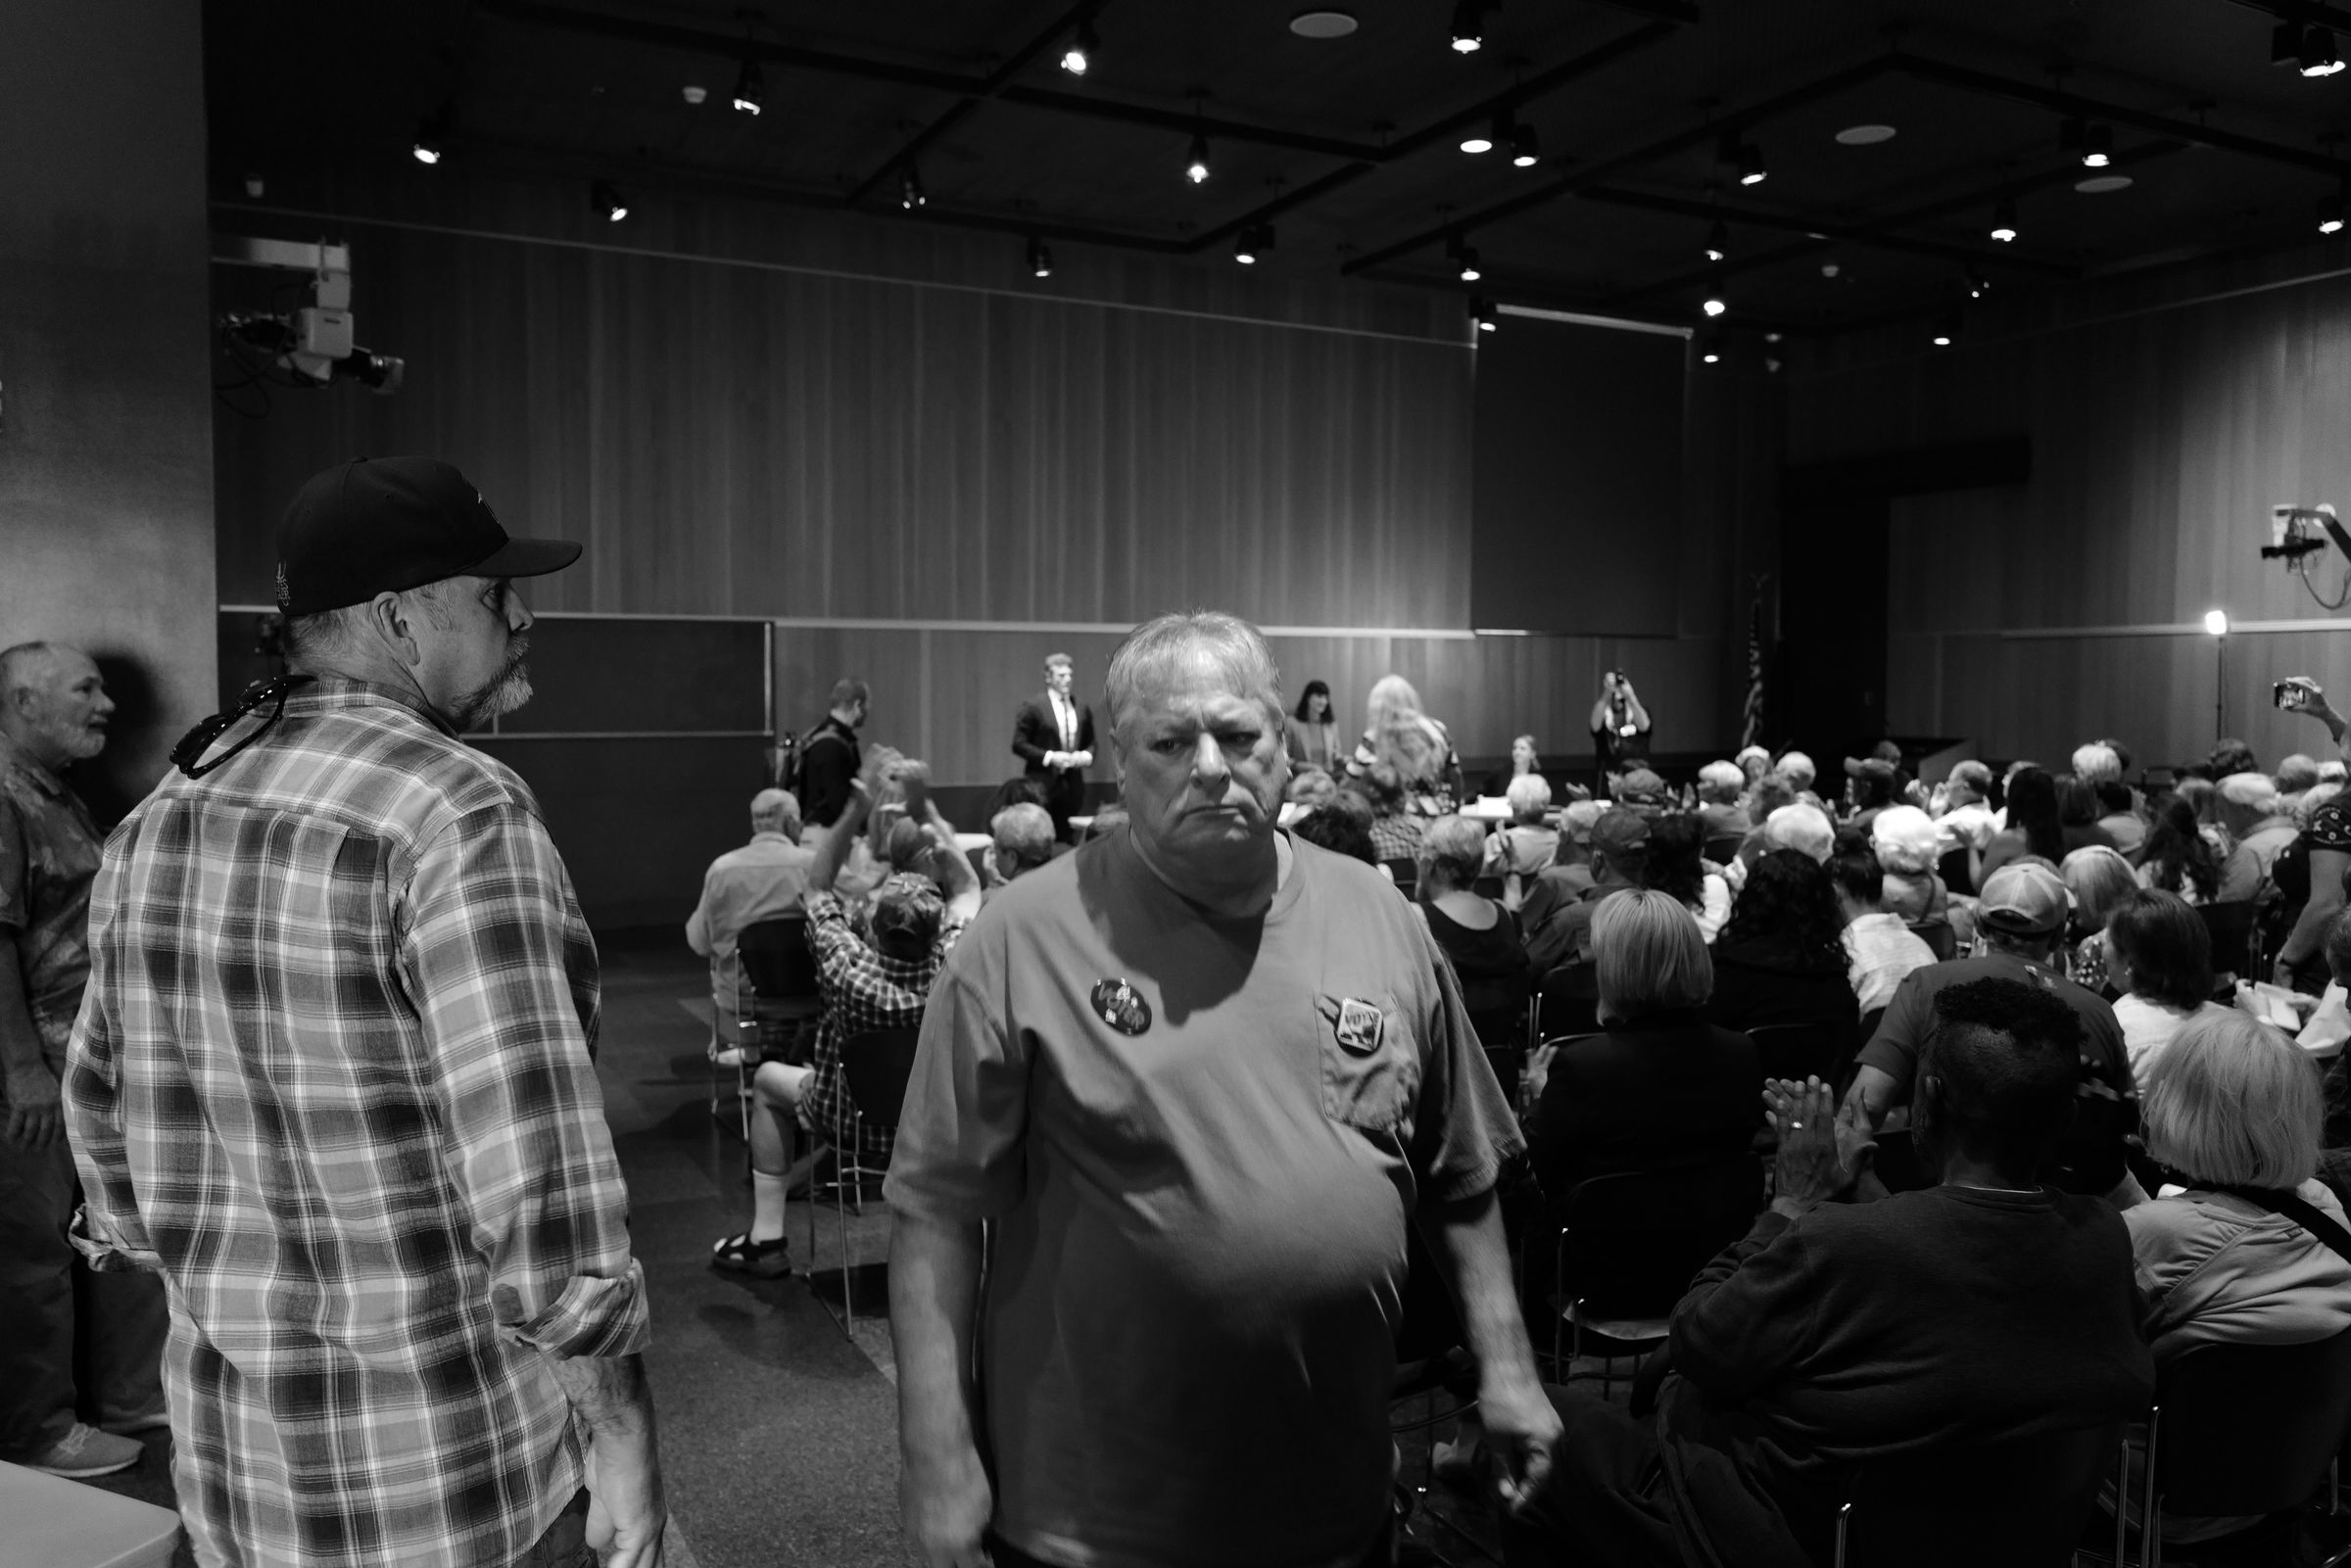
(1412, 743)
(1620, 725)
(1313, 729)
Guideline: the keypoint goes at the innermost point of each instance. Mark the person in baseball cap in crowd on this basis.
(336, 1050)
(2020, 922)
(1558, 915)
(1637, 787)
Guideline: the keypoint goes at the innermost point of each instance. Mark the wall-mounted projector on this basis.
(308, 347)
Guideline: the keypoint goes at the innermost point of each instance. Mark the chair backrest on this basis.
(2021, 1502)
(2230, 926)
(775, 958)
(1567, 1002)
(877, 1064)
(1799, 1050)
(1635, 1240)
(2247, 1429)
(1406, 872)
(1952, 869)
(1487, 888)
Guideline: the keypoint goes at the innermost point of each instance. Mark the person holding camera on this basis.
(1620, 725)
(2326, 838)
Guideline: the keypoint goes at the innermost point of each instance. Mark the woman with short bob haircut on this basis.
(2159, 957)
(1661, 1086)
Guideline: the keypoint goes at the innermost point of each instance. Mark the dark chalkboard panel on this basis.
(601, 675)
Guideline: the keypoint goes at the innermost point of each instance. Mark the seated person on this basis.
(762, 880)
(1559, 921)
(2231, 1104)
(1961, 806)
(2021, 921)
(1782, 958)
(1309, 787)
(1662, 1087)
(1839, 1331)
(2255, 817)
(2293, 777)
(1527, 844)
(2176, 858)
(2033, 826)
(875, 980)
(1903, 838)
(1677, 865)
(2078, 812)
(1020, 840)
(1880, 948)
(1478, 934)
(1802, 828)
(1396, 828)
(1341, 824)
(1720, 786)
(1572, 860)
(2098, 880)
(1869, 788)
(1525, 763)
(1767, 795)
(1638, 787)
(1754, 762)
(2159, 958)
(1014, 791)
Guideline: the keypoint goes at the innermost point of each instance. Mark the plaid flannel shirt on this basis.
(334, 1078)
(862, 990)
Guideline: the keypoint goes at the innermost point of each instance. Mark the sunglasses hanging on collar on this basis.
(197, 740)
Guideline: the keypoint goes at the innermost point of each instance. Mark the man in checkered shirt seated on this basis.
(874, 977)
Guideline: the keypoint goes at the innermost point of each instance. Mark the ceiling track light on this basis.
(1040, 257)
(1946, 329)
(1463, 256)
(2331, 214)
(1195, 161)
(2004, 220)
(1253, 243)
(1718, 241)
(1470, 27)
(1742, 156)
(910, 189)
(1977, 285)
(1715, 305)
(604, 198)
(1500, 133)
(432, 134)
(751, 86)
(2097, 146)
(1526, 149)
(1481, 315)
(1079, 58)
(1710, 348)
(2309, 47)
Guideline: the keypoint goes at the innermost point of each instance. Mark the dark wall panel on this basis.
(1576, 512)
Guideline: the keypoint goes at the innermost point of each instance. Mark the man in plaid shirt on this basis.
(333, 1079)
(879, 978)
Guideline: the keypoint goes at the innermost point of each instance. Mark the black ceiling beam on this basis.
(1877, 234)
(1077, 16)
(1649, 153)
(1557, 76)
(1684, 12)
(1969, 79)
(2301, 11)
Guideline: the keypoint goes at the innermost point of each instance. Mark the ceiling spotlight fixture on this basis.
(1469, 27)
(1718, 241)
(1977, 287)
(751, 86)
(1040, 258)
(1946, 329)
(2004, 220)
(1710, 349)
(1486, 140)
(1715, 305)
(1195, 161)
(2309, 47)
(696, 94)
(1252, 244)
(1745, 157)
(1865, 135)
(2097, 146)
(1079, 58)
(2330, 215)
(430, 134)
(910, 189)
(1322, 22)
(605, 199)
(1481, 315)
(1527, 151)
(1464, 258)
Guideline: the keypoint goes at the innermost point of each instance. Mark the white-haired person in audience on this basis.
(1797, 767)
(2096, 878)
(1020, 840)
(2293, 775)
(875, 979)
(2249, 1246)
(1526, 844)
(1754, 762)
(1721, 784)
(2101, 766)
(1183, 1091)
(1418, 748)
(1478, 934)
(1961, 806)
(1880, 947)
(1904, 840)
(761, 881)
(1802, 828)
(2159, 958)
(2255, 817)
(1846, 1323)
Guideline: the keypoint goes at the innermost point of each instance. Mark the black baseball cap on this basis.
(378, 525)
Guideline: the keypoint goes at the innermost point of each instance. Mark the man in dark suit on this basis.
(1054, 735)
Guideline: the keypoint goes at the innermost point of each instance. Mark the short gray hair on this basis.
(1529, 795)
(1023, 832)
(1721, 781)
(1455, 845)
(1154, 651)
(16, 665)
(776, 811)
(2234, 1102)
(1648, 955)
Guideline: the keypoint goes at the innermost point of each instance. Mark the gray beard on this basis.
(501, 695)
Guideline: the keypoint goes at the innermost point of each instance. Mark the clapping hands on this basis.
(1825, 1149)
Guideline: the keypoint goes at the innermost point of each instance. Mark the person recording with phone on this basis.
(2326, 838)
(1620, 725)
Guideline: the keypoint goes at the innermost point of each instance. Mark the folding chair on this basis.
(2021, 1502)
(876, 1065)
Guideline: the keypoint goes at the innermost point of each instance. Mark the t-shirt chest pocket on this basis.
(1369, 1060)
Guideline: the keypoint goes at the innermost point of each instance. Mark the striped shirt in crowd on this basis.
(334, 1078)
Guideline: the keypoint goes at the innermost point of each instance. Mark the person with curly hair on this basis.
(1782, 958)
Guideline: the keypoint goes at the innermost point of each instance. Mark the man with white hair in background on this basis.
(1802, 828)
(1720, 786)
(1961, 806)
(1020, 840)
(1199, 1075)
(57, 1321)
(2255, 818)
(2101, 766)
(2294, 777)
(1797, 767)
(764, 879)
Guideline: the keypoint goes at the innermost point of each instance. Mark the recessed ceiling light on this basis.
(695, 95)
(1865, 135)
(2100, 184)
(1323, 24)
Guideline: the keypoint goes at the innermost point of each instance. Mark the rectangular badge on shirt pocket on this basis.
(1371, 1075)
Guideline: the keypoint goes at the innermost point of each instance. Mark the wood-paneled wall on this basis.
(2160, 441)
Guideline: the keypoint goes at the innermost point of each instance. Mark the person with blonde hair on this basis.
(1527, 844)
(1662, 1086)
(2096, 878)
(1419, 747)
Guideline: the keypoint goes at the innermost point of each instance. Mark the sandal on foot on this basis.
(764, 1260)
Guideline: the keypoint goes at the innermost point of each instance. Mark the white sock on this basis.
(767, 1205)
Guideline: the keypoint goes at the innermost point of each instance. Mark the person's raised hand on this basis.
(35, 1117)
(1524, 1429)
(875, 771)
(1816, 1139)
(1537, 1071)
(946, 1515)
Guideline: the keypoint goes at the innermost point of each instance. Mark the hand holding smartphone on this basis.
(2295, 694)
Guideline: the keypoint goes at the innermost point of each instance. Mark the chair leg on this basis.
(1845, 1515)
(2122, 1497)
(2151, 1515)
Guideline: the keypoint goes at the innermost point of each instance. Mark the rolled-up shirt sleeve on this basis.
(503, 968)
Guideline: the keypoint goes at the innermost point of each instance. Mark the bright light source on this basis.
(2317, 56)
(1716, 306)
(1718, 241)
(1527, 151)
(1079, 58)
(1195, 161)
(2216, 622)
(910, 191)
(2097, 146)
(1040, 259)
(1252, 244)
(751, 87)
(1469, 27)
(2003, 223)
(429, 152)
(1478, 141)
(606, 199)
(2330, 215)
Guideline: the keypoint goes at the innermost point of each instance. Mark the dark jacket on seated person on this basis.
(1653, 1093)
(1770, 981)
(1953, 1316)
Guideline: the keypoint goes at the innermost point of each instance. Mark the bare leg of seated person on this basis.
(776, 1091)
